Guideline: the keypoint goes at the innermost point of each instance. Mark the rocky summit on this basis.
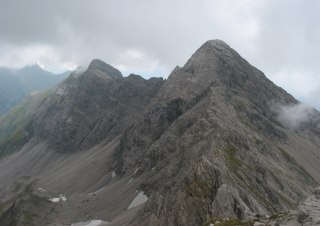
(211, 145)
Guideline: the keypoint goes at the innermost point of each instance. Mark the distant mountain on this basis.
(34, 78)
(213, 142)
(15, 84)
(11, 90)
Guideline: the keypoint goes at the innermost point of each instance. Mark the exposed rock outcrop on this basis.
(204, 144)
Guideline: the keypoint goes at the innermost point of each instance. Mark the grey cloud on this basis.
(288, 34)
(295, 115)
(166, 31)
(279, 37)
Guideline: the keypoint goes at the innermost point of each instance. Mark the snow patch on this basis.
(136, 170)
(113, 174)
(61, 198)
(130, 180)
(138, 200)
(90, 223)
(41, 189)
(97, 191)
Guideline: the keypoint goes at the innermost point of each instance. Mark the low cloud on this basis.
(294, 116)
(151, 37)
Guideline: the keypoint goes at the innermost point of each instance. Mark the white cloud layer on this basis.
(151, 37)
(294, 116)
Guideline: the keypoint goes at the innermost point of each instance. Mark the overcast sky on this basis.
(146, 37)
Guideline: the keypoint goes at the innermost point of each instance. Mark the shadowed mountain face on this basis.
(98, 105)
(15, 84)
(206, 143)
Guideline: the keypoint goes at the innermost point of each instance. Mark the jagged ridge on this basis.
(205, 143)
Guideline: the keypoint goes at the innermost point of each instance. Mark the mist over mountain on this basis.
(34, 78)
(216, 141)
(16, 83)
(11, 91)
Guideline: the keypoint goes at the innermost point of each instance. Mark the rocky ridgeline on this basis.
(307, 214)
(204, 144)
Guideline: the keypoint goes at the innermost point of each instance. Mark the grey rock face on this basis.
(100, 68)
(307, 213)
(217, 120)
(228, 203)
(203, 144)
(88, 109)
(317, 192)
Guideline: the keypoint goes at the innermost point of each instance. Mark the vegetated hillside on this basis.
(16, 126)
(16, 84)
(206, 143)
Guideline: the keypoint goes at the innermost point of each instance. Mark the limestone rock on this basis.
(204, 144)
(317, 192)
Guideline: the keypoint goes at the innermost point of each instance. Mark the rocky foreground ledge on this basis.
(307, 214)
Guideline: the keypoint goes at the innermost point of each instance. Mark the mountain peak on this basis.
(211, 50)
(32, 67)
(216, 42)
(100, 67)
(204, 144)
(215, 62)
(97, 63)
